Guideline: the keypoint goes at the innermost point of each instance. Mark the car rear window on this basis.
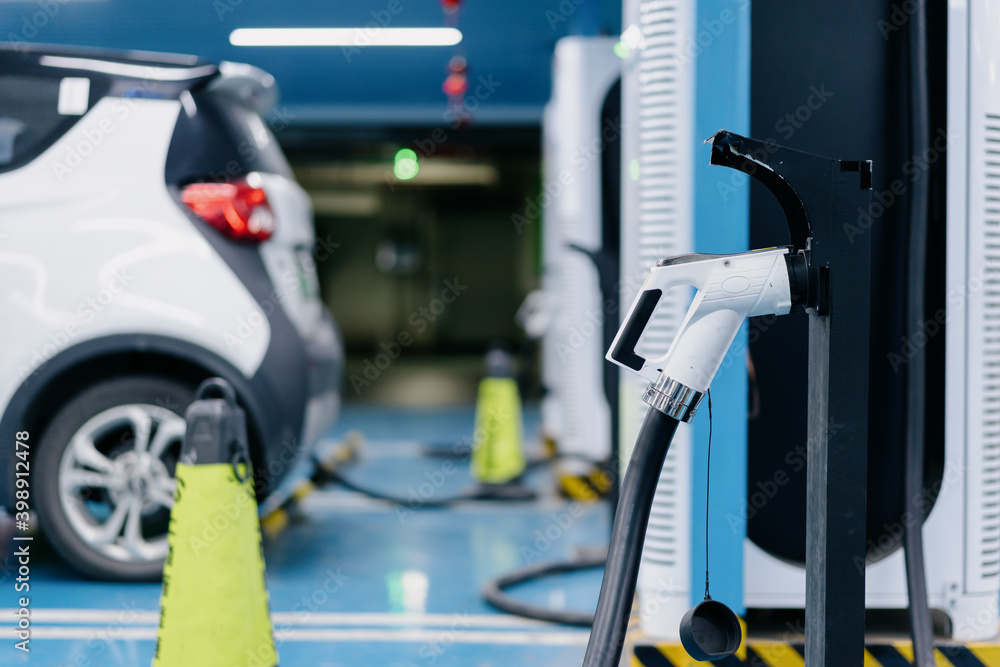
(255, 142)
(35, 111)
(220, 141)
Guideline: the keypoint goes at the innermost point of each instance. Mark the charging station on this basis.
(962, 479)
(708, 211)
(580, 250)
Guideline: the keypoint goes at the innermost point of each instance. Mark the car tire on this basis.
(107, 459)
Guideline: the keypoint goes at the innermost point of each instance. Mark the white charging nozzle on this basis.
(730, 288)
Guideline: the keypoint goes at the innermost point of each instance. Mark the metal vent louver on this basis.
(662, 79)
(989, 517)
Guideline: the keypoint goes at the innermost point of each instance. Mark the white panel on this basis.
(658, 93)
(982, 557)
(551, 244)
(585, 69)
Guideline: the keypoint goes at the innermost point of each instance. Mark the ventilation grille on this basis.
(990, 368)
(662, 539)
(580, 344)
(663, 214)
(660, 157)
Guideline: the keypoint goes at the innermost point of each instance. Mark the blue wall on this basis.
(722, 225)
(509, 40)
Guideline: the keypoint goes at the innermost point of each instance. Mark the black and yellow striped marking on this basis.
(275, 523)
(585, 488)
(769, 653)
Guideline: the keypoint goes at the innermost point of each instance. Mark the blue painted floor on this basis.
(357, 582)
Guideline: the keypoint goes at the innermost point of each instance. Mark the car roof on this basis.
(21, 52)
(247, 84)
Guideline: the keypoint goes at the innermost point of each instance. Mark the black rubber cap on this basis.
(711, 631)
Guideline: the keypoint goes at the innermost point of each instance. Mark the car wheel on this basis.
(104, 476)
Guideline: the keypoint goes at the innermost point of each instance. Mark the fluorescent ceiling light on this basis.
(357, 37)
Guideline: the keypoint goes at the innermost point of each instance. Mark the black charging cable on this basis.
(921, 625)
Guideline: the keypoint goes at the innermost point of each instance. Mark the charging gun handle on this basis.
(730, 288)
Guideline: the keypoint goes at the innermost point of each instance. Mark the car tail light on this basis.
(236, 208)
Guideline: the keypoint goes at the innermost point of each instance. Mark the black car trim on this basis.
(253, 394)
(27, 62)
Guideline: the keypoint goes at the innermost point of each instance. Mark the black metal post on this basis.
(822, 200)
(838, 430)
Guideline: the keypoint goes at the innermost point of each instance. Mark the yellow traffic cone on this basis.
(214, 606)
(497, 451)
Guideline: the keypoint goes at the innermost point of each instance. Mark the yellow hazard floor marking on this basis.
(780, 654)
(777, 654)
(274, 523)
(906, 650)
(988, 655)
(679, 657)
(741, 652)
(577, 489)
(303, 490)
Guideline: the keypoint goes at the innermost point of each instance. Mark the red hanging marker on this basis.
(455, 85)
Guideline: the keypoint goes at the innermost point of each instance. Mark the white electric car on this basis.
(151, 236)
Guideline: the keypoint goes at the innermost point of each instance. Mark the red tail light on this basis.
(236, 208)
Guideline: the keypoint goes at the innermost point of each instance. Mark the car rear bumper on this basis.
(297, 390)
(325, 359)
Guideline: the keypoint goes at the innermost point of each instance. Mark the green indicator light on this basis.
(405, 164)
(633, 170)
(621, 50)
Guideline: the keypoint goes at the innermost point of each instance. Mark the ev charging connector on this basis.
(730, 288)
